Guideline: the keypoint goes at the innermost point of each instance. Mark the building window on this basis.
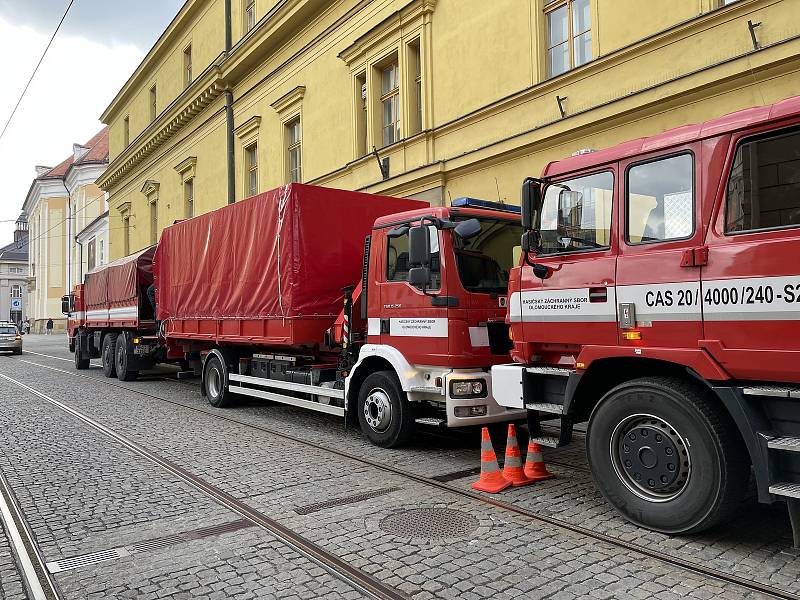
(415, 60)
(126, 131)
(569, 35)
(390, 102)
(295, 151)
(153, 104)
(361, 115)
(251, 160)
(187, 66)
(17, 270)
(126, 235)
(250, 14)
(102, 254)
(153, 223)
(188, 197)
(16, 291)
(91, 253)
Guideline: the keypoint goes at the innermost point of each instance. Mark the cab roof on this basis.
(442, 212)
(729, 123)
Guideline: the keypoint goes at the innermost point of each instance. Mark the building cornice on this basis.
(162, 46)
(84, 173)
(195, 98)
(246, 129)
(96, 226)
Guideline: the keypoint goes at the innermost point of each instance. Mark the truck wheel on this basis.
(108, 355)
(665, 456)
(123, 372)
(81, 363)
(214, 383)
(384, 413)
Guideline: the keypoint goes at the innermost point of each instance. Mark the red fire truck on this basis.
(658, 297)
(279, 297)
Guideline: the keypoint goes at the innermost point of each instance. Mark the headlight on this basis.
(468, 388)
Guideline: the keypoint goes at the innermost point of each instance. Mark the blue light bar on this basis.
(485, 204)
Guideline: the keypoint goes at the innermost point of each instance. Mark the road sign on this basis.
(16, 304)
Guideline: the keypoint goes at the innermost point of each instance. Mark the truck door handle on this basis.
(598, 294)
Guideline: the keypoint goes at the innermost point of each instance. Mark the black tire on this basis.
(121, 359)
(635, 436)
(390, 422)
(18, 351)
(215, 383)
(108, 355)
(81, 363)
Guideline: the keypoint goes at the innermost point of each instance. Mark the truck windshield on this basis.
(485, 260)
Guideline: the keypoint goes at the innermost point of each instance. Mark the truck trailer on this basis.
(658, 298)
(311, 297)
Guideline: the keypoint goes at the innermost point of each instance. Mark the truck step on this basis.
(431, 421)
(550, 442)
(791, 444)
(546, 407)
(550, 371)
(425, 390)
(774, 391)
(789, 490)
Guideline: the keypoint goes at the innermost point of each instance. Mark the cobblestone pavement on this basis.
(11, 587)
(81, 493)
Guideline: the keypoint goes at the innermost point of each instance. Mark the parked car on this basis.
(10, 338)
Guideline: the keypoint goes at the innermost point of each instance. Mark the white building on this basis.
(65, 218)
(14, 274)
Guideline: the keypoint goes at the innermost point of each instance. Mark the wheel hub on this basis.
(651, 457)
(378, 410)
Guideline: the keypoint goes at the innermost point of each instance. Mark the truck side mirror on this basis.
(65, 305)
(530, 202)
(468, 229)
(419, 277)
(419, 246)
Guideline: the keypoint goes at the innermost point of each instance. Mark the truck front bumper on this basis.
(479, 410)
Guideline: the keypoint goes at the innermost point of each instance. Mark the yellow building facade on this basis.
(457, 97)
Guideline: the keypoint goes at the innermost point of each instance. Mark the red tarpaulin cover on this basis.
(285, 253)
(119, 282)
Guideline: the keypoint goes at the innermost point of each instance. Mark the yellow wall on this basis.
(490, 113)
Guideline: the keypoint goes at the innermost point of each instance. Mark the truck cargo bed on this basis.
(268, 270)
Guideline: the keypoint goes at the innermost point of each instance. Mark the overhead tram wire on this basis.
(41, 59)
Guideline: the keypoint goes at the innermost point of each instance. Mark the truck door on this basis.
(408, 319)
(575, 304)
(656, 290)
(751, 285)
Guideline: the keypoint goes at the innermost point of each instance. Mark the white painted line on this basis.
(69, 360)
(25, 560)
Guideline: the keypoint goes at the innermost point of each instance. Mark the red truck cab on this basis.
(657, 298)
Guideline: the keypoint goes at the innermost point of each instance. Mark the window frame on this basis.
(248, 26)
(251, 151)
(626, 189)
(188, 59)
(393, 94)
(548, 9)
(153, 102)
(294, 146)
(737, 144)
(188, 198)
(611, 236)
(126, 130)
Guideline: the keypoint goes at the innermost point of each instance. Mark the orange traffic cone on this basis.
(512, 469)
(491, 479)
(535, 469)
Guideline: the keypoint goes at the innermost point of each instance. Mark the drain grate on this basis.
(431, 523)
(85, 560)
(333, 502)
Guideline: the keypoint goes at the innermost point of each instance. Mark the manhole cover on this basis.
(430, 523)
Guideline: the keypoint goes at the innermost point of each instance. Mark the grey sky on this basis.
(105, 21)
